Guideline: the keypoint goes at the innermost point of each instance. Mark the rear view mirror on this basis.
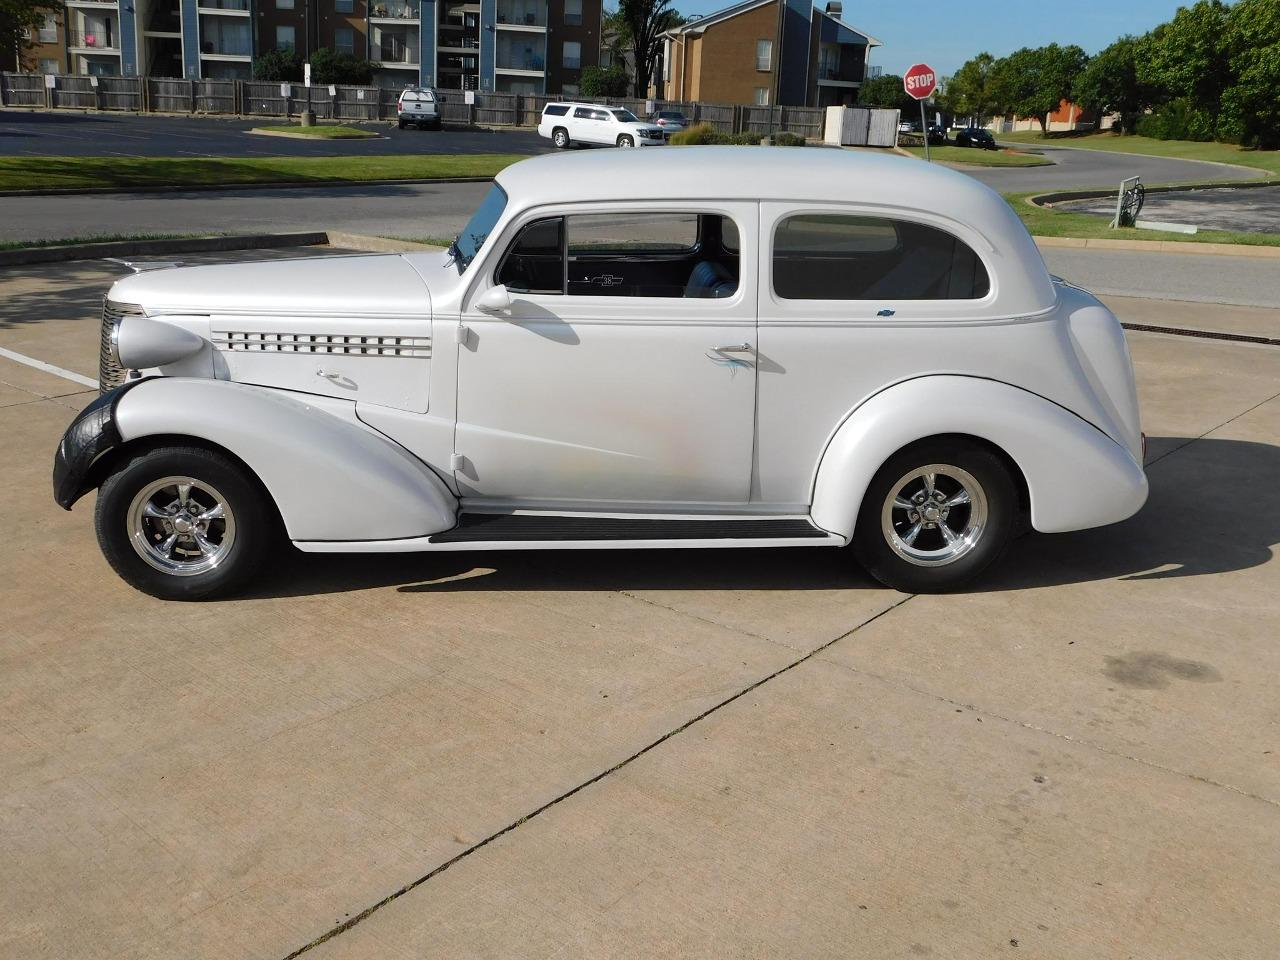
(494, 300)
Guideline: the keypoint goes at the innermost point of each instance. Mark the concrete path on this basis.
(650, 754)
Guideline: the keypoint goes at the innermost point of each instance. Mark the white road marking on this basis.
(49, 368)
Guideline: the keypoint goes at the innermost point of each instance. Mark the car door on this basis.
(585, 127)
(590, 393)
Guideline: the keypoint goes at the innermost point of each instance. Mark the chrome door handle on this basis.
(733, 348)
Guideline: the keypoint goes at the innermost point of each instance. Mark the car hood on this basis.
(380, 285)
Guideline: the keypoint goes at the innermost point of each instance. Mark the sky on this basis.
(946, 33)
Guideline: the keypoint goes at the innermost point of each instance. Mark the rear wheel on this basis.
(626, 142)
(402, 124)
(183, 523)
(935, 516)
(560, 137)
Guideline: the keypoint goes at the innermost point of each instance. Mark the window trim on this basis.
(773, 214)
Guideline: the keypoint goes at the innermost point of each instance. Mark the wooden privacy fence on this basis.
(260, 98)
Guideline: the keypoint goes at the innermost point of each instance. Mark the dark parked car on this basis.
(937, 136)
(975, 137)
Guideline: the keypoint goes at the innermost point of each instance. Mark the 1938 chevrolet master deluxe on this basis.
(787, 348)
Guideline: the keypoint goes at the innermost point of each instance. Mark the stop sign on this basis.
(920, 81)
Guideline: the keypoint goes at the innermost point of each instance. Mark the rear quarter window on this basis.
(839, 257)
(555, 110)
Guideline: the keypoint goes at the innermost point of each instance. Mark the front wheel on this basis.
(935, 516)
(183, 523)
(626, 142)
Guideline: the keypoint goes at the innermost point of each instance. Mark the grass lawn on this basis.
(1043, 222)
(982, 158)
(321, 132)
(1268, 160)
(47, 173)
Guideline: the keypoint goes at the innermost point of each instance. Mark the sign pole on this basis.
(924, 130)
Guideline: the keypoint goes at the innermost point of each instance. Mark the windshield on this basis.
(626, 116)
(468, 243)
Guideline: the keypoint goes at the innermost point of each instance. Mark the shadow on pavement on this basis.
(1194, 524)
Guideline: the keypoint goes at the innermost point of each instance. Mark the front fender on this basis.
(1076, 475)
(331, 477)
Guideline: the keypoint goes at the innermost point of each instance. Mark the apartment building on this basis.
(517, 46)
(765, 52)
(44, 48)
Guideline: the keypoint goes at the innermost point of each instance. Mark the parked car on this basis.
(671, 121)
(975, 137)
(569, 123)
(937, 136)
(909, 126)
(418, 106)
(875, 355)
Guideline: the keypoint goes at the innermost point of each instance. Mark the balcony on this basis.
(225, 6)
(523, 53)
(394, 48)
(448, 42)
(520, 14)
(395, 10)
(839, 74)
(99, 41)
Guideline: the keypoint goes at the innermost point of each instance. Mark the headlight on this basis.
(141, 343)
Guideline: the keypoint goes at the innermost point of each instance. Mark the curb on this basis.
(259, 132)
(1163, 246)
(130, 248)
(229, 187)
(368, 244)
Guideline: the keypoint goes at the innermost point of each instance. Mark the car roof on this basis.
(797, 175)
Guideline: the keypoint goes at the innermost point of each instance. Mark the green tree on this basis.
(971, 92)
(282, 65)
(1034, 82)
(1188, 57)
(602, 82)
(16, 18)
(886, 91)
(642, 23)
(328, 66)
(1251, 104)
(1110, 84)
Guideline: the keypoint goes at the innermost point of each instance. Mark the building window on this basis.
(344, 40)
(48, 31)
(762, 96)
(572, 13)
(48, 66)
(286, 37)
(764, 54)
(572, 57)
(836, 257)
(344, 6)
(284, 4)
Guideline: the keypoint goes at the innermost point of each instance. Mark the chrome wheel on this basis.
(560, 139)
(934, 515)
(181, 526)
(626, 143)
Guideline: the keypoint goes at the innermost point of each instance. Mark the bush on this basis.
(705, 134)
(598, 82)
(1178, 120)
(284, 66)
(329, 67)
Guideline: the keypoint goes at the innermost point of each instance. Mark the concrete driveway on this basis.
(751, 754)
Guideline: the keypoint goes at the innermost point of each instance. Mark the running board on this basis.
(530, 527)
(526, 531)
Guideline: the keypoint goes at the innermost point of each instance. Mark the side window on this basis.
(555, 111)
(650, 255)
(582, 113)
(535, 261)
(837, 257)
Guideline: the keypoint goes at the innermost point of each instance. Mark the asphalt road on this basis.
(111, 135)
(1256, 210)
(1075, 168)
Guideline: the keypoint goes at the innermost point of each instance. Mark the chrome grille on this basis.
(110, 373)
(347, 344)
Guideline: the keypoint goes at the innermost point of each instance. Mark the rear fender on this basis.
(1077, 477)
(331, 477)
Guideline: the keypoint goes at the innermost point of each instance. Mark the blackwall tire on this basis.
(936, 515)
(184, 523)
(560, 137)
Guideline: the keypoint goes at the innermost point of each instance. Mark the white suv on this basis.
(566, 123)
